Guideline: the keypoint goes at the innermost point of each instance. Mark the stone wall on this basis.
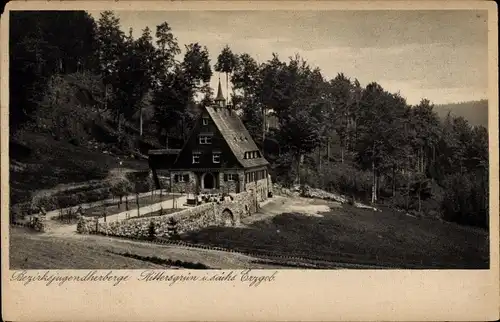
(270, 184)
(224, 213)
(261, 188)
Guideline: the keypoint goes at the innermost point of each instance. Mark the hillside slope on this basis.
(38, 162)
(71, 140)
(476, 112)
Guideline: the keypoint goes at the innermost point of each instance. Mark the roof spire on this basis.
(220, 96)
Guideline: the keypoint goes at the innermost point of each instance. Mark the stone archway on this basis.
(207, 181)
(227, 218)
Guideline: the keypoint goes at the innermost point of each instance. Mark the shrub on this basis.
(44, 201)
(172, 229)
(346, 179)
(152, 230)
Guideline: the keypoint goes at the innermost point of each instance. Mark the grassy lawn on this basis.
(113, 208)
(354, 235)
(32, 251)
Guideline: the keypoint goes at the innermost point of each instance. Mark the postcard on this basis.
(232, 160)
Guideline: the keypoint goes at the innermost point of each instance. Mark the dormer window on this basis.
(205, 139)
(205, 120)
(216, 157)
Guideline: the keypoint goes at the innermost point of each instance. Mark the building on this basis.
(219, 156)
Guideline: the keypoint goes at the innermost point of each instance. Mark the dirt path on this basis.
(280, 204)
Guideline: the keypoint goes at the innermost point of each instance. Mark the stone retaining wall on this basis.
(224, 213)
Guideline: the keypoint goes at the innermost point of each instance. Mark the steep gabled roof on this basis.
(236, 135)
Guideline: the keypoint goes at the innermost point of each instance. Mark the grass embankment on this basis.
(38, 162)
(32, 251)
(352, 235)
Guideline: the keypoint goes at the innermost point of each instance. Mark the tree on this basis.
(246, 76)
(246, 80)
(67, 37)
(299, 134)
(120, 188)
(196, 66)
(110, 44)
(59, 111)
(176, 91)
(170, 101)
(340, 101)
(426, 125)
(168, 48)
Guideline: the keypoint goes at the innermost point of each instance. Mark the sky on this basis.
(438, 55)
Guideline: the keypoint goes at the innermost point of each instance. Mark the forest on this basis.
(70, 73)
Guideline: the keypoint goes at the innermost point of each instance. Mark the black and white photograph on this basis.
(246, 139)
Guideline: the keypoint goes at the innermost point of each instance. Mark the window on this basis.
(254, 155)
(181, 178)
(196, 157)
(231, 177)
(205, 120)
(205, 139)
(216, 157)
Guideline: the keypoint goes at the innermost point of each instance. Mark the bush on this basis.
(347, 180)
(152, 230)
(172, 229)
(46, 202)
